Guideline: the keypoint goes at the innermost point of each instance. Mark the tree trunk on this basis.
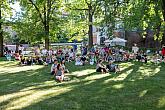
(1, 35)
(47, 37)
(46, 25)
(90, 40)
(163, 11)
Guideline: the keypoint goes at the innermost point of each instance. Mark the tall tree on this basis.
(45, 10)
(90, 7)
(5, 12)
(1, 32)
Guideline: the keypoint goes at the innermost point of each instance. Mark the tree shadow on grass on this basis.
(140, 94)
(89, 94)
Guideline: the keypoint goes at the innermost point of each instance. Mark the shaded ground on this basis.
(138, 87)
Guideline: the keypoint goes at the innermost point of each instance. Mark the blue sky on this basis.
(15, 8)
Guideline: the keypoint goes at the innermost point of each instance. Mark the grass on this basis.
(138, 87)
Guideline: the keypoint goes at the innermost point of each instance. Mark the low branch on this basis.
(37, 10)
(78, 9)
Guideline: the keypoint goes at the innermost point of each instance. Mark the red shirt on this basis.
(163, 51)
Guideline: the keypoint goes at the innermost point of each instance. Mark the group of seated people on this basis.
(110, 67)
(96, 56)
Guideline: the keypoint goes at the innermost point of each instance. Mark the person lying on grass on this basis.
(59, 73)
(100, 67)
(112, 67)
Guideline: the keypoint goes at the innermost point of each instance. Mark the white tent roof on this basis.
(118, 40)
(107, 41)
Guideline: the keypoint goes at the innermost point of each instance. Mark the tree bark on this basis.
(47, 38)
(163, 11)
(90, 40)
(1, 35)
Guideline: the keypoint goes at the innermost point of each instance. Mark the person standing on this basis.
(135, 49)
(163, 52)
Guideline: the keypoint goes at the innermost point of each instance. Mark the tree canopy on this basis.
(65, 20)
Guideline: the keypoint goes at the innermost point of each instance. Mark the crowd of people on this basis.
(83, 56)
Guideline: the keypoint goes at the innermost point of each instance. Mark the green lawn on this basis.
(138, 87)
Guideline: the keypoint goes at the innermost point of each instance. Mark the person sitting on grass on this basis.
(71, 55)
(64, 67)
(54, 66)
(139, 56)
(78, 60)
(83, 60)
(22, 60)
(53, 58)
(92, 59)
(100, 67)
(48, 60)
(156, 59)
(112, 67)
(40, 60)
(17, 56)
(144, 58)
(8, 55)
(59, 73)
(29, 61)
(67, 56)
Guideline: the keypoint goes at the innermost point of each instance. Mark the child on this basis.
(48, 60)
(29, 61)
(83, 60)
(53, 58)
(22, 60)
(59, 73)
(156, 59)
(144, 58)
(17, 56)
(78, 60)
(64, 67)
(54, 66)
(40, 60)
(92, 59)
(67, 56)
(8, 56)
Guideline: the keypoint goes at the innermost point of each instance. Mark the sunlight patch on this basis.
(146, 72)
(120, 77)
(161, 102)
(97, 76)
(118, 86)
(33, 96)
(83, 72)
(125, 65)
(20, 68)
(89, 82)
(142, 93)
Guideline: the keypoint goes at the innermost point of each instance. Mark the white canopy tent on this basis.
(115, 41)
(107, 42)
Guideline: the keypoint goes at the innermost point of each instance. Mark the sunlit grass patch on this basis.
(16, 69)
(137, 87)
(161, 102)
